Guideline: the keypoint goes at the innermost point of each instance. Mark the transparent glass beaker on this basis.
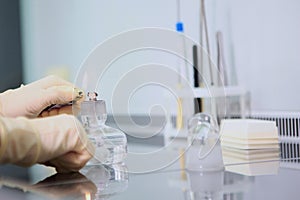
(110, 143)
(204, 152)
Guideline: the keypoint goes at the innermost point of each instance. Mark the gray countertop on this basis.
(165, 177)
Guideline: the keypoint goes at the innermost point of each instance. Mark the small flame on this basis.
(87, 196)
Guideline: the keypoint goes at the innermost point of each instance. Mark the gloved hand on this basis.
(30, 100)
(59, 141)
(71, 109)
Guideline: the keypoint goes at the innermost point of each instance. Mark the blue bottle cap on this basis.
(179, 26)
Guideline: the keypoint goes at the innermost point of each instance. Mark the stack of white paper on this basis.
(246, 141)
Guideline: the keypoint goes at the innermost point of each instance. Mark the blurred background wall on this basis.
(10, 45)
(11, 62)
(262, 39)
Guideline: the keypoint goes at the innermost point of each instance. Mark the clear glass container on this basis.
(204, 152)
(110, 143)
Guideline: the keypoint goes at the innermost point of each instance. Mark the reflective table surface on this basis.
(163, 178)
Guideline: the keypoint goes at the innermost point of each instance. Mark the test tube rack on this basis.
(210, 93)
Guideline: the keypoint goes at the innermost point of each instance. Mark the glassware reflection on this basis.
(64, 186)
(208, 185)
(93, 182)
(109, 180)
(214, 185)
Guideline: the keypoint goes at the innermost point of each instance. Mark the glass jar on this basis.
(204, 150)
(110, 143)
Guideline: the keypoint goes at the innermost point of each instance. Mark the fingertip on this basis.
(64, 94)
(73, 161)
(59, 94)
(78, 95)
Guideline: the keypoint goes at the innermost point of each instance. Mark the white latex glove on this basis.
(30, 100)
(59, 141)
